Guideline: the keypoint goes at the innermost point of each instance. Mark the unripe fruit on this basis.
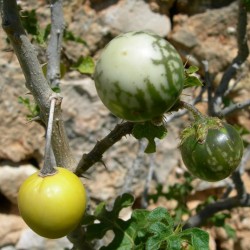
(139, 76)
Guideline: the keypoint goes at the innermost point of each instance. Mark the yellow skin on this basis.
(52, 206)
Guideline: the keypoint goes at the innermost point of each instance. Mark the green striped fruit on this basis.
(215, 157)
(139, 76)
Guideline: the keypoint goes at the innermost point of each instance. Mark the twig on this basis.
(208, 87)
(55, 42)
(243, 52)
(213, 208)
(234, 107)
(239, 185)
(35, 80)
(95, 155)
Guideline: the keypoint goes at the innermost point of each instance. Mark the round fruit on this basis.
(139, 76)
(52, 206)
(217, 156)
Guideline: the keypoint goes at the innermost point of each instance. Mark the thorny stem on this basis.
(48, 169)
(95, 155)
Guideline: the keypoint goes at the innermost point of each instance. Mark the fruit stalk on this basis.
(195, 112)
(48, 169)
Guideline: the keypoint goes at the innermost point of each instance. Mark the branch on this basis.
(243, 52)
(54, 46)
(35, 80)
(209, 87)
(233, 108)
(213, 208)
(95, 155)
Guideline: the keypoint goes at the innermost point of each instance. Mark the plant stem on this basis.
(195, 112)
(48, 169)
(35, 81)
(55, 43)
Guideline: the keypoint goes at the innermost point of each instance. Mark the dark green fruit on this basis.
(216, 155)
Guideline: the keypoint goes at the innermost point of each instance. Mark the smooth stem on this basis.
(48, 169)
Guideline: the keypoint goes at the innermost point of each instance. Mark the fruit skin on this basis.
(217, 156)
(139, 76)
(52, 206)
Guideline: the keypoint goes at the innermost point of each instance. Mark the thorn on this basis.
(85, 177)
(103, 163)
(34, 119)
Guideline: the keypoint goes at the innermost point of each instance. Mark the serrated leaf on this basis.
(85, 65)
(192, 81)
(174, 242)
(109, 220)
(144, 230)
(161, 227)
(149, 131)
(159, 232)
(192, 69)
(161, 214)
(196, 237)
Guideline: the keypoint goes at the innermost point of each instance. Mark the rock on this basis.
(19, 139)
(11, 179)
(135, 15)
(192, 7)
(30, 240)
(11, 229)
(205, 36)
(8, 248)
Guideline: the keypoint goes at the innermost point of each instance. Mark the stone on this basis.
(20, 139)
(30, 240)
(11, 179)
(205, 36)
(192, 7)
(135, 15)
(11, 229)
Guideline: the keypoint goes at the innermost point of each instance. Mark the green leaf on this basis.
(109, 220)
(150, 230)
(149, 131)
(161, 214)
(192, 81)
(174, 242)
(69, 36)
(85, 65)
(196, 237)
(230, 231)
(247, 4)
(219, 219)
(32, 107)
(192, 69)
